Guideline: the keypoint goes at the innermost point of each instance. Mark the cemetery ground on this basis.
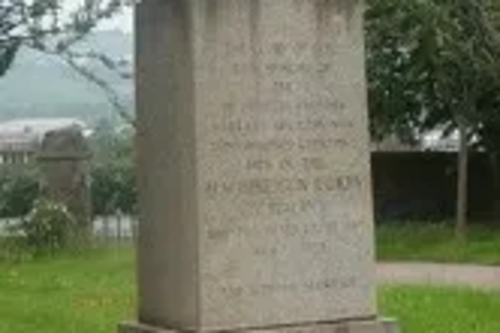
(436, 242)
(91, 292)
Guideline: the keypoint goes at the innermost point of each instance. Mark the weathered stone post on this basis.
(253, 161)
(63, 159)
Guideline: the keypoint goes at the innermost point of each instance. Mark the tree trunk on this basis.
(495, 172)
(462, 182)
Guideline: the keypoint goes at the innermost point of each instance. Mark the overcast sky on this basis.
(122, 22)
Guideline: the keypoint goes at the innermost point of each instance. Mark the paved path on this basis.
(483, 277)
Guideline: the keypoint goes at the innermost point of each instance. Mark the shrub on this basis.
(18, 190)
(49, 227)
(113, 189)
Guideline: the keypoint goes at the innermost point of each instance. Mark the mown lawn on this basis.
(441, 310)
(91, 293)
(436, 243)
(68, 294)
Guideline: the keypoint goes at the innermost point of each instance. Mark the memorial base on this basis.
(364, 326)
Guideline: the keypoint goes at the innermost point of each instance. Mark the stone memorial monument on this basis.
(64, 158)
(254, 176)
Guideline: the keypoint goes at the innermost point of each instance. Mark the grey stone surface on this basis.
(367, 326)
(140, 328)
(254, 183)
(64, 163)
(65, 143)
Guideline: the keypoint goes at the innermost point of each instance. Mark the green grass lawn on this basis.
(426, 242)
(442, 310)
(92, 293)
(85, 294)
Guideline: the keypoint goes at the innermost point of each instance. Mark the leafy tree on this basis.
(435, 64)
(48, 25)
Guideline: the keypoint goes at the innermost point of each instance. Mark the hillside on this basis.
(42, 86)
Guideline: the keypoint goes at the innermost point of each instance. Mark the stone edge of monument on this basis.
(384, 325)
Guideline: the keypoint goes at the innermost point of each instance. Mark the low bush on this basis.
(48, 228)
(112, 187)
(18, 190)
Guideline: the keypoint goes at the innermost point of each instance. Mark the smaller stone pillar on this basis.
(64, 158)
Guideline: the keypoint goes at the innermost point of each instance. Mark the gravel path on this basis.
(483, 277)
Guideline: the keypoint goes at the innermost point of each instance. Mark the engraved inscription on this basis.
(310, 164)
(278, 145)
(333, 105)
(290, 287)
(243, 126)
(282, 165)
(286, 137)
(287, 229)
(282, 186)
(283, 49)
